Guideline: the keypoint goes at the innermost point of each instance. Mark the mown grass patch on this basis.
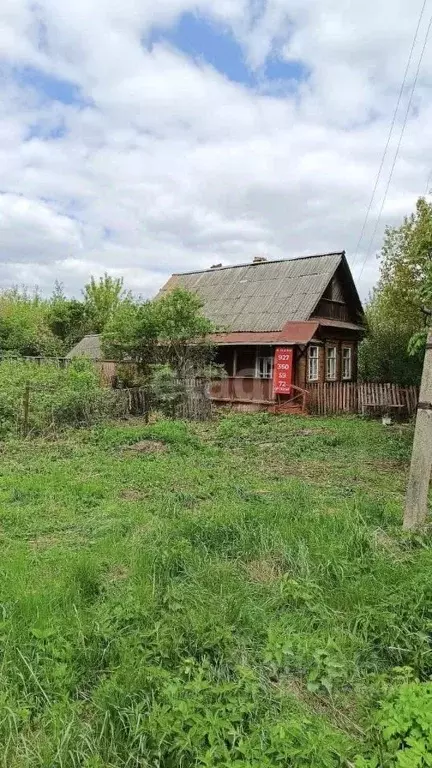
(237, 599)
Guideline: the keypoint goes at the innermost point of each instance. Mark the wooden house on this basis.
(284, 326)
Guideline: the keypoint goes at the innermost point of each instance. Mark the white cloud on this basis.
(167, 165)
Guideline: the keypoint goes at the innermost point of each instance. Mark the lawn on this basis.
(236, 593)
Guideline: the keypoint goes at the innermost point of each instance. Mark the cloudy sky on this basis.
(143, 137)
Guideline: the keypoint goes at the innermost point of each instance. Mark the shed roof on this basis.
(261, 296)
(89, 346)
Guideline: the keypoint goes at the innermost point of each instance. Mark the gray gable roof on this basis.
(261, 296)
(89, 346)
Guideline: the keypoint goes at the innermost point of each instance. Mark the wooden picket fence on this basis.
(189, 399)
(361, 397)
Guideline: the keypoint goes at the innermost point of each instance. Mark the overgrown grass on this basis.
(40, 398)
(238, 596)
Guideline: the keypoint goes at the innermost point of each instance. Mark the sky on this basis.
(142, 138)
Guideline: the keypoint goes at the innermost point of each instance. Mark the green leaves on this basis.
(102, 298)
(404, 728)
(394, 316)
(169, 331)
(59, 396)
(326, 671)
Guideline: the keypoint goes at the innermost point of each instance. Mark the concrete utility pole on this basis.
(416, 504)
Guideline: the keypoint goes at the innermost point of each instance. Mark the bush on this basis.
(69, 396)
(404, 728)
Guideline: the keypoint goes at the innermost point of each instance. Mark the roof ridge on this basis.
(260, 263)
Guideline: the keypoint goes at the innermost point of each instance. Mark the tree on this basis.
(24, 328)
(132, 334)
(170, 330)
(184, 332)
(384, 353)
(66, 318)
(102, 298)
(395, 314)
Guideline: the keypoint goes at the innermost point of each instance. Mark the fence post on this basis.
(145, 406)
(26, 404)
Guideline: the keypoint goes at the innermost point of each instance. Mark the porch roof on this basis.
(292, 333)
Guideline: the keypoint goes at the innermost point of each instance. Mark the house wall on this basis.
(333, 310)
(300, 360)
(335, 304)
(339, 344)
(246, 359)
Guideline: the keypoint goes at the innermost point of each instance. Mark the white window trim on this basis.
(350, 358)
(333, 359)
(317, 358)
(257, 371)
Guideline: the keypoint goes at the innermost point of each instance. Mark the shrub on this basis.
(68, 396)
(404, 728)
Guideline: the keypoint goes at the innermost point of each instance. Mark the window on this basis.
(331, 363)
(264, 367)
(346, 362)
(313, 359)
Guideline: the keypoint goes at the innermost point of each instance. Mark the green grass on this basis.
(228, 599)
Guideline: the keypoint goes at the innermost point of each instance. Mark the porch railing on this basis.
(242, 390)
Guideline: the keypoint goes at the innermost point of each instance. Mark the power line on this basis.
(428, 183)
(390, 133)
(408, 109)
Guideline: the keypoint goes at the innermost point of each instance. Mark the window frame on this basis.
(269, 366)
(315, 359)
(333, 359)
(349, 349)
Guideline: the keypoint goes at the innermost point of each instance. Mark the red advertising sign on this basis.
(283, 371)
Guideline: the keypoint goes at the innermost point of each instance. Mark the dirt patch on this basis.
(146, 446)
(118, 573)
(41, 543)
(387, 465)
(312, 432)
(129, 494)
(343, 718)
(264, 571)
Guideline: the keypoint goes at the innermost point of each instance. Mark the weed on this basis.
(230, 600)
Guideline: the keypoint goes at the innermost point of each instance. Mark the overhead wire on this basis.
(390, 133)
(429, 179)
(396, 154)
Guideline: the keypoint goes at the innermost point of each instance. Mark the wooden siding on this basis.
(333, 310)
(334, 290)
(242, 389)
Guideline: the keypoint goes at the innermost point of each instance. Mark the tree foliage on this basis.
(384, 354)
(181, 322)
(34, 326)
(24, 325)
(132, 334)
(67, 318)
(394, 347)
(102, 298)
(170, 330)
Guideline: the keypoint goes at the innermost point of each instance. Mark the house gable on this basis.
(340, 300)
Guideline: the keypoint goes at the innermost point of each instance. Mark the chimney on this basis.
(259, 260)
(216, 266)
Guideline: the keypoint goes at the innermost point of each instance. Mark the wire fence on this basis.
(45, 409)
